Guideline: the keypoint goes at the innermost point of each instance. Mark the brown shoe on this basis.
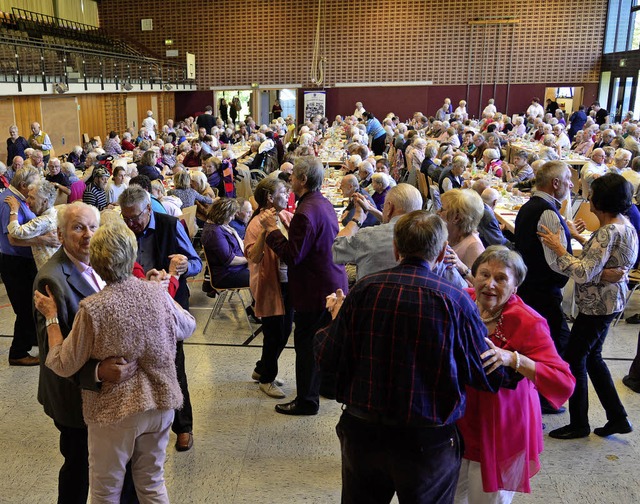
(25, 361)
(184, 441)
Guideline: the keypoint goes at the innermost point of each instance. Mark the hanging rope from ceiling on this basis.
(318, 60)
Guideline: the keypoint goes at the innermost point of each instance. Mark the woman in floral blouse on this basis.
(613, 245)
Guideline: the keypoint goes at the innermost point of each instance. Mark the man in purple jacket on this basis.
(312, 274)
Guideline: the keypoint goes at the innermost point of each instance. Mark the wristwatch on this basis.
(358, 223)
(13, 213)
(51, 321)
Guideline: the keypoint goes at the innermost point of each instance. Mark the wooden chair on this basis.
(227, 294)
(584, 212)
(189, 217)
(423, 187)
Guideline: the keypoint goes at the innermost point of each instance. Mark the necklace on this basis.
(490, 319)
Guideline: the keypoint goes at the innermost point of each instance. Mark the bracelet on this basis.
(517, 361)
(51, 321)
(13, 213)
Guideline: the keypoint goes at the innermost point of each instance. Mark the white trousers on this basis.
(141, 438)
(469, 490)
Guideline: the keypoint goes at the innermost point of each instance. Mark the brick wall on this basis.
(237, 42)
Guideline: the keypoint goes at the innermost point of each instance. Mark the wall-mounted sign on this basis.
(146, 24)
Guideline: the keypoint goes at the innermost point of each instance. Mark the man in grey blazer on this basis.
(70, 279)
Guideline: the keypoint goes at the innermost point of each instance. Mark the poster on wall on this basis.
(314, 104)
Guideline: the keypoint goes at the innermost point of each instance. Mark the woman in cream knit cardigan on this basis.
(139, 321)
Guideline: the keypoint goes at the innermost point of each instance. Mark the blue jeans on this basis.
(420, 464)
(584, 355)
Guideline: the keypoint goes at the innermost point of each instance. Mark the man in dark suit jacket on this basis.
(66, 277)
(160, 238)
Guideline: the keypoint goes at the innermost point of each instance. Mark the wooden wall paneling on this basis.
(144, 104)
(27, 110)
(7, 118)
(115, 113)
(61, 122)
(92, 115)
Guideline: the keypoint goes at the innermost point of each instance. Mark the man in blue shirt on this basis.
(160, 238)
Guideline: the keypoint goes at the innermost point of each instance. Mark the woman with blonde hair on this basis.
(462, 210)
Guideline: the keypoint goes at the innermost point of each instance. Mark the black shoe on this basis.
(212, 294)
(550, 410)
(292, 408)
(570, 432)
(622, 426)
(634, 319)
(632, 383)
(252, 315)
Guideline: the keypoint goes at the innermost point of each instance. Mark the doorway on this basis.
(286, 99)
(241, 97)
(568, 98)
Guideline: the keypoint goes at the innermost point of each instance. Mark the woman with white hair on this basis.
(381, 183)
(461, 111)
(365, 171)
(492, 163)
(41, 197)
(77, 156)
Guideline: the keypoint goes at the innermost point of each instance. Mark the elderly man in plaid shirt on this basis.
(404, 345)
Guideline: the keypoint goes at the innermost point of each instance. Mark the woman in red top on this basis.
(503, 432)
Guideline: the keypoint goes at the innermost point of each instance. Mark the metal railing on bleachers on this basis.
(36, 47)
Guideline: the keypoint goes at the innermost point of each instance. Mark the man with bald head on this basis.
(371, 249)
(592, 170)
(40, 140)
(349, 186)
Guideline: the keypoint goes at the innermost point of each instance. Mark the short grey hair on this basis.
(505, 256)
(381, 178)
(26, 175)
(311, 169)
(63, 213)
(46, 190)
(405, 197)
(491, 153)
(420, 234)
(461, 160)
(549, 171)
(112, 251)
(134, 195)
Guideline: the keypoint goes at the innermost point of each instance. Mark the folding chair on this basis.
(227, 294)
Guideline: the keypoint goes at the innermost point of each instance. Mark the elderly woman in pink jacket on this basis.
(139, 321)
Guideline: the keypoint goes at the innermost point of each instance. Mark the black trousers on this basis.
(549, 305)
(276, 331)
(307, 372)
(634, 370)
(584, 355)
(378, 145)
(420, 464)
(73, 478)
(18, 274)
(183, 419)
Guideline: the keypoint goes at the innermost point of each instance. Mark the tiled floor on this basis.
(245, 453)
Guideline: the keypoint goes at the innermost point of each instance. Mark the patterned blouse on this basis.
(611, 246)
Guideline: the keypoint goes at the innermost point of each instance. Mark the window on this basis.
(622, 32)
(603, 95)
